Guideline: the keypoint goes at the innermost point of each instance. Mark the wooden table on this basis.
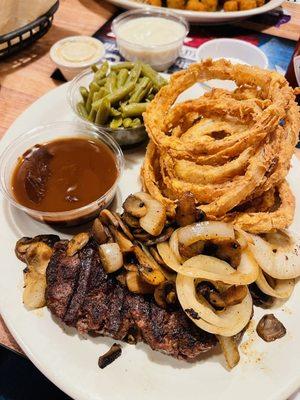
(26, 77)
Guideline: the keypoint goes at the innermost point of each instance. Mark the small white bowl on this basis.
(234, 50)
(74, 54)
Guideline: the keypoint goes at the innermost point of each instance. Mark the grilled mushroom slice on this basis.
(234, 295)
(110, 238)
(156, 256)
(124, 243)
(211, 294)
(260, 299)
(135, 206)
(163, 237)
(165, 294)
(130, 220)
(142, 236)
(220, 299)
(113, 353)
(148, 268)
(186, 211)
(37, 257)
(77, 243)
(227, 250)
(136, 284)
(34, 289)
(108, 218)
(131, 267)
(192, 250)
(23, 244)
(270, 328)
(98, 231)
(123, 226)
(49, 240)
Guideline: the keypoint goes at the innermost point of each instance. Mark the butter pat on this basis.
(75, 53)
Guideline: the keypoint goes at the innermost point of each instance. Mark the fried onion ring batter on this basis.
(231, 149)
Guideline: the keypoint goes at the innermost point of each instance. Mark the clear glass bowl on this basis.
(43, 134)
(126, 137)
(160, 57)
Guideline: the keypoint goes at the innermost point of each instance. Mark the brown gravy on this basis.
(64, 174)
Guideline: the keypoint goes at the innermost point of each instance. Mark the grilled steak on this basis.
(82, 295)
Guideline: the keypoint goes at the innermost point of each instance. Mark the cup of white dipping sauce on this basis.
(73, 54)
(154, 37)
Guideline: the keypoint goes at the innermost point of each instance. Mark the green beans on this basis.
(121, 93)
(101, 82)
(93, 88)
(135, 73)
(114, 112)
(92, 115)
(84, 93)
(157, 80)
(127, 122)
(136, 123)
(122, 65)
(101, 73)
(82, 110)
(118, 95)
(116, 123)
(141, 90)
(103, 111)
(111, 82)
(133, 109)
(100, 94)
(122, 77)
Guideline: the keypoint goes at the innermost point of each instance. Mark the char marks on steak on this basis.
(81, 294)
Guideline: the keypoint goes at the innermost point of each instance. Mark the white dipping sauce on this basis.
(75, 53)
(153, 40)
(151, 31)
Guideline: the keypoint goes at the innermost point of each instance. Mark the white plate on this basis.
(217, 17)
(266, 372)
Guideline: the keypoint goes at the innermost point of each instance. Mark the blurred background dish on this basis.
(234, 50)
(205, 17)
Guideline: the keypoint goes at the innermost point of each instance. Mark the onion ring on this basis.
(232, 150)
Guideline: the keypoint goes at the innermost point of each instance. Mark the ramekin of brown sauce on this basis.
(62, 173)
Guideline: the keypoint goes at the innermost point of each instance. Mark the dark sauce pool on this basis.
(64, 174)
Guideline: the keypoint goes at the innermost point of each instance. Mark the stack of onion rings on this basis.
(232, 150)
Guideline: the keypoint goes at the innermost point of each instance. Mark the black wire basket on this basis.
(17, 40)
